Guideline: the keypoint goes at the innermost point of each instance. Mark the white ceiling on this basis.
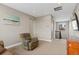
(42, 9)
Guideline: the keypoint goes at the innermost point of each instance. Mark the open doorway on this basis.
(62, 30)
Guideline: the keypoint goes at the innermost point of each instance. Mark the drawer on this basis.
(73, 51)
(73, 44)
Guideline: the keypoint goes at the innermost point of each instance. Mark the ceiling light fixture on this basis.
(58, 8)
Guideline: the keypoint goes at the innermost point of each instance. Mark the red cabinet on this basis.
(72, 47)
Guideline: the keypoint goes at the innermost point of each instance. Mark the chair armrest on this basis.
(33, 44)
(2, 43)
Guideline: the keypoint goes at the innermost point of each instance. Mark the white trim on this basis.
(17, 44)
(49, 40)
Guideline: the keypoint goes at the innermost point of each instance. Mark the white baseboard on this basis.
(49, 40)
(17, 44)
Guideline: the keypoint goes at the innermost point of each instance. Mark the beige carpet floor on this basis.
(56, 47)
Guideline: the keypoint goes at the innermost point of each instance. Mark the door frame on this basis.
(62, 22)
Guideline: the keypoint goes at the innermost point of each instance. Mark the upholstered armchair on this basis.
(3, 50)
(29, 42)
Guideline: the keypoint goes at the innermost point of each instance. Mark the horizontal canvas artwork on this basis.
(12, 20)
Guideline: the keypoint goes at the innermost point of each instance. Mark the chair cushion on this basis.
(2, 49)
(34, 39)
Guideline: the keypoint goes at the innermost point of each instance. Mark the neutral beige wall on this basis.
(10, 33)
(43, 28)
(33, 27)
